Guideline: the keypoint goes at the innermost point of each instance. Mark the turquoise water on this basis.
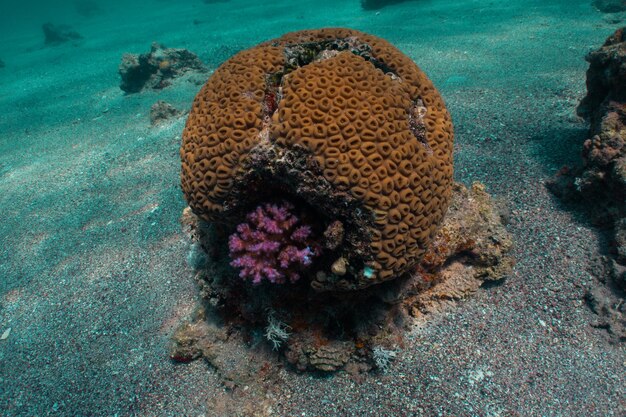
(93, 272)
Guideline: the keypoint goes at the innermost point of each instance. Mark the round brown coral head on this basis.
(345, 126)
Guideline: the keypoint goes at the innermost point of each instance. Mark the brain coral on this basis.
(344, 125)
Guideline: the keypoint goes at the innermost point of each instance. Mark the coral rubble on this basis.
(57, 34)
(345, 127)
(601, 181)
(161, 112)
(609, 310)
(157, 68)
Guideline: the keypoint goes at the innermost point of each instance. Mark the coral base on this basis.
(355, 331)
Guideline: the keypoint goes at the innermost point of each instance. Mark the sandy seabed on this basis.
(93, 273)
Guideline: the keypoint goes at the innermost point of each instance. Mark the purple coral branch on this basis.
(271, 245)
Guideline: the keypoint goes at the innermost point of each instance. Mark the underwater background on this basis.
(95, 274)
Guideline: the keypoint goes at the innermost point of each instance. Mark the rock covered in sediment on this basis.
(604, 107)
(605, 79)
(157, 68)
(600, 183)
(340, 331)
(611, 314)
(162, 111)
(57, 34)
(328, 356)
(472, 247)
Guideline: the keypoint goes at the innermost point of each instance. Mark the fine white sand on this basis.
(93, 278)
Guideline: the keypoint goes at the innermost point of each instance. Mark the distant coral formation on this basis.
(343, 125)
(156, 69)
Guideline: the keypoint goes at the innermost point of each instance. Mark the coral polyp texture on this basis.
(341, 124)
(271, 245)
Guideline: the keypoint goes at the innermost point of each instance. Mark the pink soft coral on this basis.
(272, 245)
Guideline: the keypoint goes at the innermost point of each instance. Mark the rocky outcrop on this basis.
(599, 184)
(157, 68)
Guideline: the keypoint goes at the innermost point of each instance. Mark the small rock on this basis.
(320, 276)
(333, 235)
(331, 357)
(161, 112)
(601, 181)
(339, 267)
(6, 334)
(57, 34)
